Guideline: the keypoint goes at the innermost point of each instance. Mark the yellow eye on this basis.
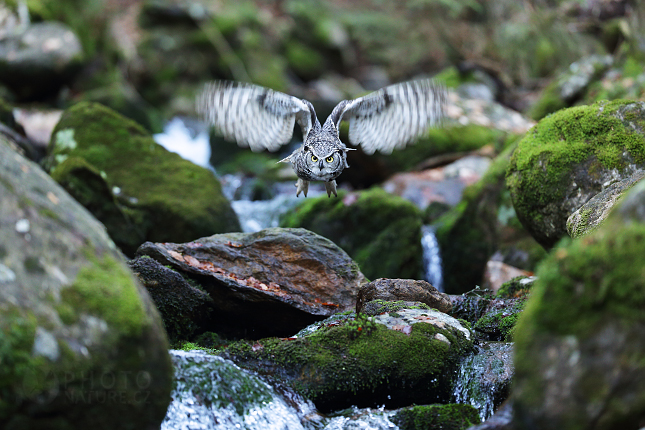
(329, 159)
(314, 158)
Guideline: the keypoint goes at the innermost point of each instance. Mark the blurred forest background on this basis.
(148, 58)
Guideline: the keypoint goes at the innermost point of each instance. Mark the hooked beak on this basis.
(320, 164)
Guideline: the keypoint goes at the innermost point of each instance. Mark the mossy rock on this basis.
(436, 417)
(518, 287)
(586, 309)
(147, 193)
(570, 156)
(498, 322)
(381, 232)
(79, 337)
(360, 362)
(376, 307)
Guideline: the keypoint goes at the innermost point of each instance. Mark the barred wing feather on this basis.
(394, 116)
(253, 116)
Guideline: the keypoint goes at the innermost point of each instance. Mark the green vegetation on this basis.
(437, 417)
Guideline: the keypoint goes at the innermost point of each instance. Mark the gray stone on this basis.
(403, 289)
(81, 338)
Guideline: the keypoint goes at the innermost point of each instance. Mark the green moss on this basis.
(451, 77)
(381, 232)
(107, 289)
(499, 324)
(336, 362)
(435, 417)
(598, 135)
(440, 141)
(376, 307)
(162, 196)
(514, 289)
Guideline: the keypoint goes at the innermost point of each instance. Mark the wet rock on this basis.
(579, 344)
(590, 215)
(501, 420)
(498, 272)
(403, 289)
(381, 232)
(211, 392)
(570, 85)
(139, 190)
(484, 377)
(80, 336)
(443, 184)
(436, 417)
(185, 309)
(376, 307)
(362, 362)
(270, 283)
(37, 61)
(569, 157)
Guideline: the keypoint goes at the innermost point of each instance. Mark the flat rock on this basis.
(270, 283)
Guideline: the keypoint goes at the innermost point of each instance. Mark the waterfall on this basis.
(431, 257)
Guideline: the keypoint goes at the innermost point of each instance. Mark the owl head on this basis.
(324, 158)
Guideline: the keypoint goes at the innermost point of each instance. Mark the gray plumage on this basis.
(261, 118)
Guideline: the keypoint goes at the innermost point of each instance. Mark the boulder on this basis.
(403, 289)
(138, 189)
(569, 157)
(393, 361)
(80, 337)
(580, 341)
(497, 273)
(36, 62)
(381, 232)
(269, 283)
(590, 215)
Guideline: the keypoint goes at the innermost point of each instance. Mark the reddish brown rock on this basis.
(270, 283)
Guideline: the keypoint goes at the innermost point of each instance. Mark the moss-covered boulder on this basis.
(138, 189)
(570, 156)
(360, 361)
(436, 417)
(403, 289)
(79, 336)
(381, 232)
(518, 287)
(481, 224)
(580, 343)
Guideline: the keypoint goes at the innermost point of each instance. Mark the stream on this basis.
(213, 393)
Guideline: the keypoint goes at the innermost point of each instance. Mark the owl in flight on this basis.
(261, 118)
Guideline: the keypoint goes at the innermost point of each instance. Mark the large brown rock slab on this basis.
(270, 283)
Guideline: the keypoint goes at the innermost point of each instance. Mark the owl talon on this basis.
(331, 188)
(302, 186)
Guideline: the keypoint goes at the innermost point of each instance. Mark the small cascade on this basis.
(484, 378)
(431, 257)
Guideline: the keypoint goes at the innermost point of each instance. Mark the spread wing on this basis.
(254, 116)
(392, 116)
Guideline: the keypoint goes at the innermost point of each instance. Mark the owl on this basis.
(261, 118)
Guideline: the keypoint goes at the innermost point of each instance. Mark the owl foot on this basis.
(302, 186)
(331, 188)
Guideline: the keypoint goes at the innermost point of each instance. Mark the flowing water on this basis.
(484, 377)
(431, 257)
